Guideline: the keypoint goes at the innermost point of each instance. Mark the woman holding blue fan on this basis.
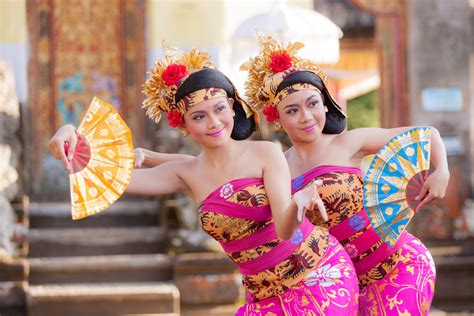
(396, 271)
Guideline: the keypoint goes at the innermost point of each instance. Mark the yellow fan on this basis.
(102, 163)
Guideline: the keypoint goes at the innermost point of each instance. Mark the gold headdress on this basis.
(184, 79)
(275, 63)
(166, 77)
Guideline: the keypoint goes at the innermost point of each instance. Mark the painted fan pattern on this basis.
(102, 163)
(393, 181)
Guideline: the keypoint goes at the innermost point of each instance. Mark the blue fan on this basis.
(393, 181)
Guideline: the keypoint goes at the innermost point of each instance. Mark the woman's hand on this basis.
(67, 133)
(308, 199)
(434, 188)
(139, 155)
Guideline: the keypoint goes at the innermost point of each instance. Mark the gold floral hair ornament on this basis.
(166, 77)
(273, 64)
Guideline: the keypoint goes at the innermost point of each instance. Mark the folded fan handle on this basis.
(66, 150)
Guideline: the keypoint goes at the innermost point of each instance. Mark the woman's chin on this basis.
(305, 136)
(216, 141)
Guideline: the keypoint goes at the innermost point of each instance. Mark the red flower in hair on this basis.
(173, 74)
(280, 62)
(270, 113)
(174, 118)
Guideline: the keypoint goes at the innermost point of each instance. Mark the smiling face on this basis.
(210, 122)
(302, 115)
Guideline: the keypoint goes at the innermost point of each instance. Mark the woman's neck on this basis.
(219, 157)
(306, 152)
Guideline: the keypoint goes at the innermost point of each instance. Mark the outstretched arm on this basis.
(143, 157)
(158, 180)
(149, 159)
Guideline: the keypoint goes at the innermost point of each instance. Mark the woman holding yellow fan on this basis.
(288, 265)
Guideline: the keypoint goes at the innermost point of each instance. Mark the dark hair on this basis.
(335, 119)
(213, 78)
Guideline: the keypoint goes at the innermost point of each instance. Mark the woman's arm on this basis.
(368, 141)
(143, 157)
(277, 179)
(149, 159)
(159, 180)
(162, 179)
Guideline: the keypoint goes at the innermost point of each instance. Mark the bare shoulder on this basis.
(183, 167)
(261, 147)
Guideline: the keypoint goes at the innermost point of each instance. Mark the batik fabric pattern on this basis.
(374, 260)
(407, 290)
(309, 274)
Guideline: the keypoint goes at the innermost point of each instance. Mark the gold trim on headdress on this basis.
(293, 88)
(199, 96)
(267, 70)
(166, 77)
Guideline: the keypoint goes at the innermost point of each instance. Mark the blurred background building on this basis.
(390, 63)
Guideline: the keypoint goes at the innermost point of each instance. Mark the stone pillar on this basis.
(13, 272)
(91, 48)
(390, 36)
(439, 95)
(10, 151)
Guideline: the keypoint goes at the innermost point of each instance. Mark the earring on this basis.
(184, 133)
(277, 126)
(326, 109)
(233, 113)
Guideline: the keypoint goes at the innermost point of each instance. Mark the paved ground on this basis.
(229, 310)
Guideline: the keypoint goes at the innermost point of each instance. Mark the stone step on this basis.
(212, 310)
(103, 299)
(451, 247)
(454, 283)
(206, 279)
(127, 213)
(13, 269)
(101, 269)
(96, 241)
(12, 298)
(454, 292)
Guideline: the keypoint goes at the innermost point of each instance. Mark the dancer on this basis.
(292, 94)
(289, 267)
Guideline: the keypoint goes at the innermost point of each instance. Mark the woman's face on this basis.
(302, 115)
(210, 122)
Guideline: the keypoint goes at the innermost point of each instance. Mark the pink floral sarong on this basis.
(408, 289)
(395, 280)
(309, 274)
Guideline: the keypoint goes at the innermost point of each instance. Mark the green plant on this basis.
(363, 111)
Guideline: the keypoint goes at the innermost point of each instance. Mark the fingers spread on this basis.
(300, 214)
(322, 210)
